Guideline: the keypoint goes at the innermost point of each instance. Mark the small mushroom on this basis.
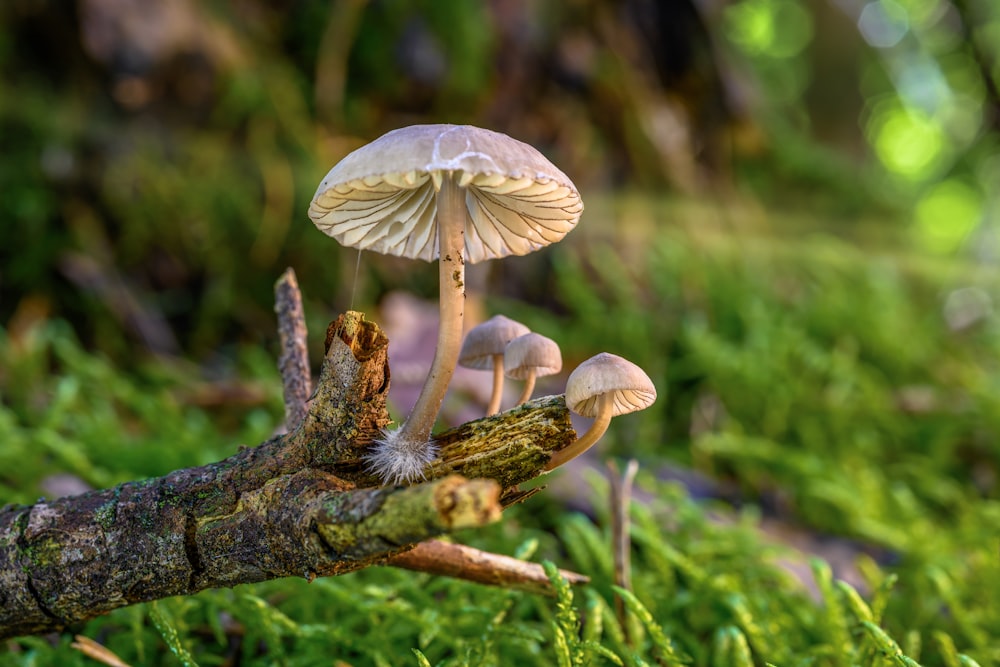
(603, 387)
(455, 193)
(483, 349)
(528, 357)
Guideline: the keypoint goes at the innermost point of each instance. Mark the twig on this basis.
(74, 558)
(621, 499)
(293, 363)
(432, 557)
(482, 567)
(96, 651)
(299, 504)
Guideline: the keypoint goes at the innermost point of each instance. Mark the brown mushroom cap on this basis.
(530, 354)
(487, 340)
(382, 198)
(603, 373)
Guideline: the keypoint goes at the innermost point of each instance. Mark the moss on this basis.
(105, 514)
(816, 392)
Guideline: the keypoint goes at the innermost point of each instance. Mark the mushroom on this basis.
(603, 387)
(528, 357)
(456, 193)
(483, 349)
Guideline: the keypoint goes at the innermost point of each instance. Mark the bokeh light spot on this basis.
(946, 214)
(884, 23)
(907, 142)
(772, 28)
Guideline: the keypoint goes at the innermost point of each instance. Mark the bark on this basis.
(300, 504)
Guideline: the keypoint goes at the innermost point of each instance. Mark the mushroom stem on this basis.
(494, 405)
(451, 214)
(529, 387)
(605, 405)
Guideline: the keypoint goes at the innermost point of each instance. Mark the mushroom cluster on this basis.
(455, 193)
(509, 349)
(484, 347)
(460, 194)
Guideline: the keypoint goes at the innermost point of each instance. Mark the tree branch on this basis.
(300, 504)
(432, 556)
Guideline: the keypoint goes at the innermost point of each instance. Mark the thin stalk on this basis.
(605, 405)
(621, 499)
(451, 214)
(494, 406)
(529, 387)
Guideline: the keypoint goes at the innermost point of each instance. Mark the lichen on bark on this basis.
(299, 504)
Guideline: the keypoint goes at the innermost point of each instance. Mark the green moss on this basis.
(105, 514)
(819, 388)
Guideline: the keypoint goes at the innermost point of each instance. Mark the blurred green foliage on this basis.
(66, 410)
(158, 159)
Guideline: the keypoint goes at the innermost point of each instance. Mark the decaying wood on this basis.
(300, 504)
(432, 556)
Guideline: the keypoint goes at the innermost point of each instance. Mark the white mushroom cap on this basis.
(382, 198)
(530, 354)
(487, 340)
(603, 373)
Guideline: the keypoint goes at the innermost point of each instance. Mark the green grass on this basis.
(819, 386)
